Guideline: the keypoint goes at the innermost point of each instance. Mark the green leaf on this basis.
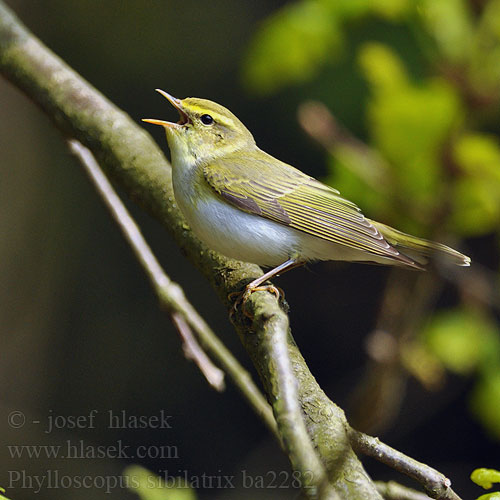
(149, 486)
(409, 123)
(295, 41)
(478, 155)
(2, 497)
(392, 9)
(484, 402)
(349, 9)
(485, 477)
(382, 68)
(354, 9)
(409, 127)
(483, 71)
(450, 24)
(291, 45)
(475, 207)
(463, 340)
(476, 194)
(490, 496)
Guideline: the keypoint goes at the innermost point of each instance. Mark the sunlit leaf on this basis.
(348, 9)
(291, 45)
(485, 477)
(391, 9)
(382, 68)
(450, 23)
(148, 486)
(484, 402)
(475, 208)
(479, 155)
(490, 496)
(483, 71)
(476, 194)
(462, 340)
(409, 123)
(352, 9)
(2, 497)
(410, 126)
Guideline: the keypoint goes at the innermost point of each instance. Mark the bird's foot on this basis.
(242, 297)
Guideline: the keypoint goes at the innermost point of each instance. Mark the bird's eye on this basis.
(206, 119)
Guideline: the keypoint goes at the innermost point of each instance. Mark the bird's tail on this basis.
(420, 250)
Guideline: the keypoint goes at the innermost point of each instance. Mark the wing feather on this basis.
(293, 199)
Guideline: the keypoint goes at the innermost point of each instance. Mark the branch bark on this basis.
(395, 491)
(436, 484)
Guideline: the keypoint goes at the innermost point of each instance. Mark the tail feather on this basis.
(419, 249)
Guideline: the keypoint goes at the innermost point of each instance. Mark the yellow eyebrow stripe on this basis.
(224, 120)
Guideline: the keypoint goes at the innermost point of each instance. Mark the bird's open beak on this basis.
(177, 104)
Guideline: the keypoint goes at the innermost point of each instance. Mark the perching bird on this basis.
(247, 205)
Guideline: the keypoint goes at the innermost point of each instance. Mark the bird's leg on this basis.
(286, 266)
(256, 284)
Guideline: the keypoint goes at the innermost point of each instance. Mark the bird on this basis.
(247, 205)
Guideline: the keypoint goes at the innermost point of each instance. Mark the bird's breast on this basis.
(227, 229)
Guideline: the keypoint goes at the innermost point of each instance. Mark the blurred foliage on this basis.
(294, 42)
(149, 486)
(430, 164)
(420, 127)
(476, 197)
(468, 341)
(464, 340)
(485, 400)
(485, 478)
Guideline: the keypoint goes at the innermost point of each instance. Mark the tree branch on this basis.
(395, 491)
(287, 411)
(192, 350)
(436, 484)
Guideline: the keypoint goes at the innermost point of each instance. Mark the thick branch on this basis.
(287, 411)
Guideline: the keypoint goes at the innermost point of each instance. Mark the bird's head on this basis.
(205, 131)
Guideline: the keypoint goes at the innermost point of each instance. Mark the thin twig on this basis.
(435, 484)
(396, 491)
(192, 350)
(171, 294)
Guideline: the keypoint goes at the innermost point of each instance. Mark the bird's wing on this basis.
(264, 186)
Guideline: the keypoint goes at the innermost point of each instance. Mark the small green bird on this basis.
(249, 206)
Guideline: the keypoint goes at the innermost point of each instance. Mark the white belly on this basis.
(240, 235)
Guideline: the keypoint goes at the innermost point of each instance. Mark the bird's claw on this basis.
(242, 297)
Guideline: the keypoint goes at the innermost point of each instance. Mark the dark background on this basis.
(80, 327)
